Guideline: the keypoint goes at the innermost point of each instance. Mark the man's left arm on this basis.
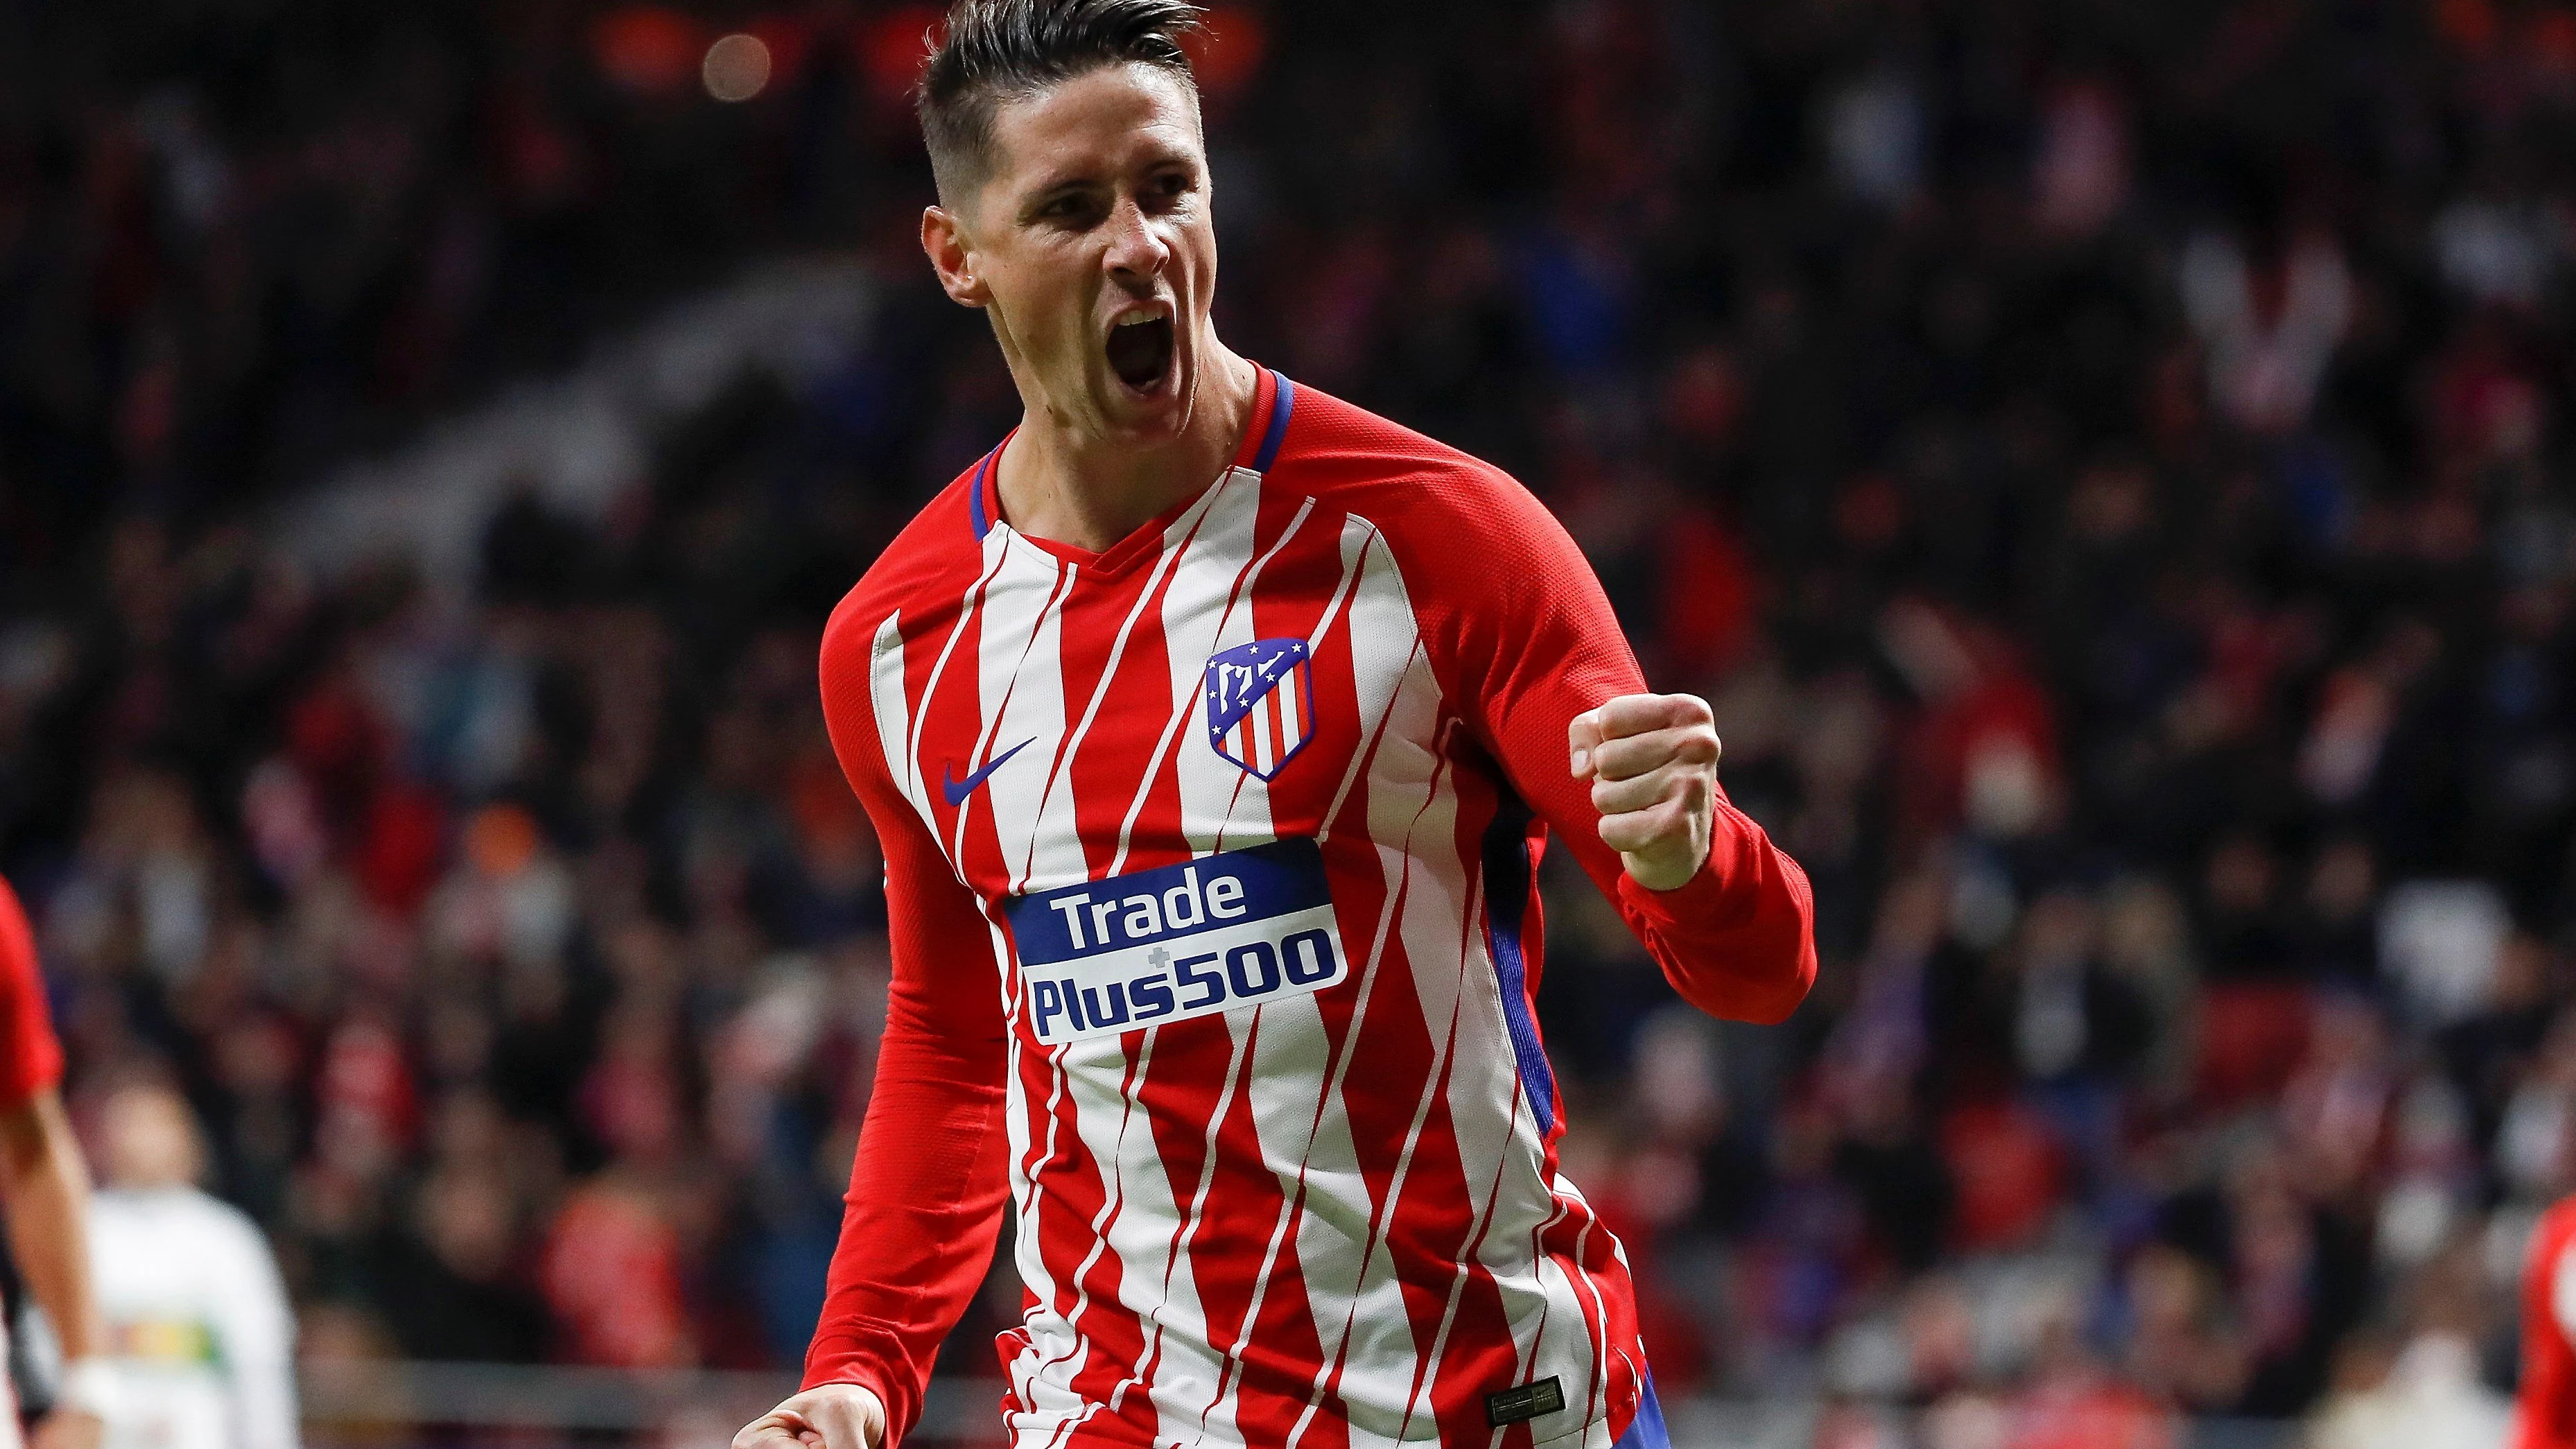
(46, 1189)
(1627, 779)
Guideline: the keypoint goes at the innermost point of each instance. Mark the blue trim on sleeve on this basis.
(975, 497)
(1285, 401)
(1507, 895)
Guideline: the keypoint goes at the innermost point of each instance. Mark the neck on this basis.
(1059, 484)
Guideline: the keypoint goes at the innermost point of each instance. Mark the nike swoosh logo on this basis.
(957, 790)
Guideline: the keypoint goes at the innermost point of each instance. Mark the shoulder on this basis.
(225, 1229)
(223, 1218)
(1428, 499)
(31, 1058)
(17, 941)
(926, 569)
(1345, 454)
(1454, 524)
(2555, 1230)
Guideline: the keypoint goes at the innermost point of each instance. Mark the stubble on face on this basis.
(1096, 243)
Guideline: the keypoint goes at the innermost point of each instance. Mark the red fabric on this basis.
(31, 1059)
(1709, 596)
(400, 844)
(2008, 1170)
(1517, 638)
(2090, 1412)
(612, 1276)
(2252, 1035)
(927, 1188)
(2545, 1413)
(1995, 706)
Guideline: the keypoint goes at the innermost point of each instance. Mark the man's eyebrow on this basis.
(1055, 187)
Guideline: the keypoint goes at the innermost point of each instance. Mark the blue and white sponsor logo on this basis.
(1180, 941)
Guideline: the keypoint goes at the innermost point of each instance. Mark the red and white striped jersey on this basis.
(1210, 863)
(2544, 1414)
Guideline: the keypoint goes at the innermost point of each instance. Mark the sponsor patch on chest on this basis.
(1233, 929)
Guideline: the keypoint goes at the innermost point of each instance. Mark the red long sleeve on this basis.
(31, 1058)
(927, 1188)
(1523, 639)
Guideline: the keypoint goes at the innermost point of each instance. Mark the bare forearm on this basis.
(47, 1189)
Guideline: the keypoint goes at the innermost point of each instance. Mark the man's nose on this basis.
(1136, 249)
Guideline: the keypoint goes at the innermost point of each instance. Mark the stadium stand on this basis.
(2109, 465)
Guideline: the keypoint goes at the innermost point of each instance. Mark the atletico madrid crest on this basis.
(1260, 705)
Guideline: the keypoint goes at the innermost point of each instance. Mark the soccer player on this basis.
(2544, 1415)
(46, 1190)
(1212, 727)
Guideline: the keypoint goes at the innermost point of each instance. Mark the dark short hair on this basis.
(1002, 50)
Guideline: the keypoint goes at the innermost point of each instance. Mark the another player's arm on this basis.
(928, 1184)
(1626, 779)
(45, 1187)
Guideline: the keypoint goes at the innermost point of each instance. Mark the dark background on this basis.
(2107, 463)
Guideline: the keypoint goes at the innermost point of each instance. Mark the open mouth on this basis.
(1140, 352)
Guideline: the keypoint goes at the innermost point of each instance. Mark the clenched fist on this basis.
(1652, 761)
(827, 1416)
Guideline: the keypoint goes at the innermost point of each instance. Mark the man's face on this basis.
(1096, 253)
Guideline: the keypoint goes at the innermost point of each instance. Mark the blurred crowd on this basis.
(2109, 465)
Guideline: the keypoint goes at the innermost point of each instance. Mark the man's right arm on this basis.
(928, 1186)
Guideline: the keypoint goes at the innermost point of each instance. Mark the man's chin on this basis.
(1145, 418)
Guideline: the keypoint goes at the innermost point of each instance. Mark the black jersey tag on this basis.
(1529, 1401)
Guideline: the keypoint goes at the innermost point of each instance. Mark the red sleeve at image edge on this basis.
(31, 1059)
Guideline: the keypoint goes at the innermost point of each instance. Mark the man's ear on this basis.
(945, 244)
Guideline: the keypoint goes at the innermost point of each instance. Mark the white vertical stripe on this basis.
(1020, 680)
(1413, 818)
(1208, 610)
(1185, 1387)
(1369, 658)
(994, 554)
(1050, 1335)
(1208, 542)
(1021, 696)
(1057, 857)
(893, 710)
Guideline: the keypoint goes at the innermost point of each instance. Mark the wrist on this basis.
(88, 1387)
(866, 1406)
(1688, 893)
(1666, 872)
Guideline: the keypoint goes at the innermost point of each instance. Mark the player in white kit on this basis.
(198, 1330)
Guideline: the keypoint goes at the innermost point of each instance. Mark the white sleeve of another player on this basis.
(2562, 1292)
(259, 1342)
